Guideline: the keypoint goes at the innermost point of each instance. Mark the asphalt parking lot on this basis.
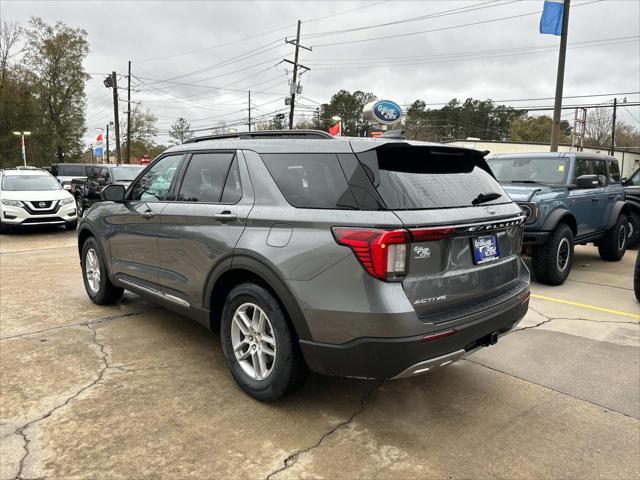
(135, 391)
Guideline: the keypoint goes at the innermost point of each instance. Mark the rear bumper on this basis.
(407, 356)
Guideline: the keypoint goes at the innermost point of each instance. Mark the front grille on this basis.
(42, 204)
(44, 207)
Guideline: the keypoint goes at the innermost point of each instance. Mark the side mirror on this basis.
(113, 193)
(587, 181)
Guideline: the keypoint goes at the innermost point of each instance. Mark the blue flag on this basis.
(551, 20)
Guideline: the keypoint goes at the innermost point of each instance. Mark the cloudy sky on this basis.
(198, 59)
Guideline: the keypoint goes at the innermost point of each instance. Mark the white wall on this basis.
(629, 161)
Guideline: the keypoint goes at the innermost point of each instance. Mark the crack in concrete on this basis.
(293, 457)
(77, 324)
(549, 388)
(105, 366)
(548, 319)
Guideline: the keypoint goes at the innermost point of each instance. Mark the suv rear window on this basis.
(415, 178)
(72, 171)
(310, 180)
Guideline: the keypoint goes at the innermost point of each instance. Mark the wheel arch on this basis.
(620, 208)
(243, 269)
(558, 216)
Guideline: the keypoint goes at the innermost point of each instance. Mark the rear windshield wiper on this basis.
(523, 181)
(485, 197)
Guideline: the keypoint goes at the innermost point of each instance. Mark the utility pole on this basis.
(557, 107)
(129, 115)
(107, 153)
(613, 126)
(249, 110)
(113, 83)
(294, 82)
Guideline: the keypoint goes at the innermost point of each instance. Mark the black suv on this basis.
(87, 191)
(348, 256)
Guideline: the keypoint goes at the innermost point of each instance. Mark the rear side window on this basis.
(205, 177)
(310, 180)
(412, 178)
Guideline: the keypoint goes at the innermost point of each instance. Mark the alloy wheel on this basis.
(622, 236)
(253, 341)
(564, 250)
(92, 270)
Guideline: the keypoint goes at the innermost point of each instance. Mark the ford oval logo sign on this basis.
(386, 112)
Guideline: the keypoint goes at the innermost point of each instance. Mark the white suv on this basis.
(34, 197)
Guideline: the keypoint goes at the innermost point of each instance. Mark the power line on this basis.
(443, 13)
(460, 58)
(332, 61)
(481, 22)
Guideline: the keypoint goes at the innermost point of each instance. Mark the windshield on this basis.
(21, 183)
(530, 169)
(125, 174)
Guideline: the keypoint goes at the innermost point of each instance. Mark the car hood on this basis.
(523, 193)
(34, 196)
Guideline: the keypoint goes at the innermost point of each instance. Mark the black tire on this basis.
(80, 206)
(3, 228)
(636, 277)
(106, 293)
(551, 262)
(71, 225)
(612, 246)
(287, 370)
(634, 225)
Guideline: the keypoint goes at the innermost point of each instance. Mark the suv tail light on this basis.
(382, 253)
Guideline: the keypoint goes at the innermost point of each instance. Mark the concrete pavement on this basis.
(135, 391)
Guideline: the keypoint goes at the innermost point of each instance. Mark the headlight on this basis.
(530, 210)
(67, 201)
(12, 203)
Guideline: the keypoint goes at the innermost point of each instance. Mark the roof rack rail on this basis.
(263, 134)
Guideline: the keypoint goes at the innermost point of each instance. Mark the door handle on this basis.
(148, 214)
(611, 197)
(594, 200)
(225, 216)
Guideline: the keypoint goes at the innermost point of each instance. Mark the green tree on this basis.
(537, 129)
(180, 131)
(143, 132)
(348, 106)
(53, 58)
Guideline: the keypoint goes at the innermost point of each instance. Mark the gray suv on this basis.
(347, 256)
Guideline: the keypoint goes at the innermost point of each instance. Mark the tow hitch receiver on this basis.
(490, 339)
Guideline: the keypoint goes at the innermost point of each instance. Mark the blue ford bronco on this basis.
(569, 198)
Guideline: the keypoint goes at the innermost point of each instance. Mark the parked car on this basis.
(33, 196)
(632, 192)
(65, 172)
(569, 198)
(348, 256)
(87, 191)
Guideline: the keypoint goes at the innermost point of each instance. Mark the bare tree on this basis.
(10, 34)
(598, 127)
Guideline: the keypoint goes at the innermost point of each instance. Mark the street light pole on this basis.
(24, 148)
